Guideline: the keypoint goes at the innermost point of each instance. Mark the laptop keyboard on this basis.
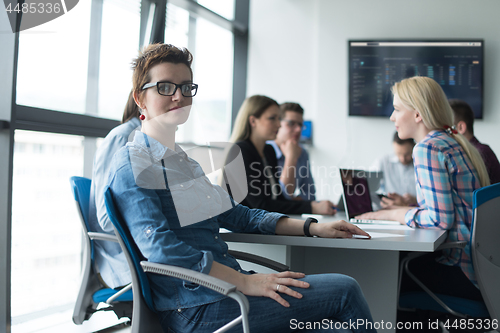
(362, 221)
(373, 221)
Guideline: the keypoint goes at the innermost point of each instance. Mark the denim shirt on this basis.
(109, 257)
(153, 186)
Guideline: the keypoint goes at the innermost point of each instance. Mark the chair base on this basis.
(121, 310)
(422, 300)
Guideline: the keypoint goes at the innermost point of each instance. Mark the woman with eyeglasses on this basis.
(174, 214)
(258, 121)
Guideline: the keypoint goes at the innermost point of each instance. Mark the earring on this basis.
(142, 117)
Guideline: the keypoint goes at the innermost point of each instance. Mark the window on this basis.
(61, 78)
(73, 80)
(212, 48)
(46, 234)
(53, 58)
(224, 8)
(177, 27)
(119, 45)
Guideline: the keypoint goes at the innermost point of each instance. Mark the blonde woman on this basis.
(447, 170)
(258, 121)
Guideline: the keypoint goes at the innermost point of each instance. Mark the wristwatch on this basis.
(307, 224)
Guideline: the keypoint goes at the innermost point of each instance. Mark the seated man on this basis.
(464, 123)
(110, 259)
(398, 183)
(293, 160)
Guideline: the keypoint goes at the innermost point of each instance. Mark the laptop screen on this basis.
(356, 192)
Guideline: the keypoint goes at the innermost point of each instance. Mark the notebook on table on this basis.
(356, 196)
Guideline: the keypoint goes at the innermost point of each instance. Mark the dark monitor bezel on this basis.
(412, 40)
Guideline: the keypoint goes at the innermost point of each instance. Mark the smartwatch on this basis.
(307, 224)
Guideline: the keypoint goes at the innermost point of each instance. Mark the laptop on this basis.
(374, 184)
(356, 195)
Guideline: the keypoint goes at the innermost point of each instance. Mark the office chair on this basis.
(485, 251)
(92, 292)
(486, 247)
(145, 319)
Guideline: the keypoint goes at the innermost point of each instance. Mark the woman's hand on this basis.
(393, 213)
(336, 229)
(272, 285)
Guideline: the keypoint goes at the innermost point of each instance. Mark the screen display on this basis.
(374, 67)
(356, 192)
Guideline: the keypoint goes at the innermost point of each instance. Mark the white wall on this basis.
(298, 52)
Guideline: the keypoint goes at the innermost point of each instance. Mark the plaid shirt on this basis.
(445, 180)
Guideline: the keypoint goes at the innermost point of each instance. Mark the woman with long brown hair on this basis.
(258, 121)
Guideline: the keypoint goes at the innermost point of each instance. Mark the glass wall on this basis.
(46, 232)
(224, 8)
(79, 65)
(177, 26)
(212, 48)
(53, 59)
(119, 45)
(56, 71)
(53, 71)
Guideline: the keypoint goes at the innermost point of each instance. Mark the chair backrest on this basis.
(485, 246)
(90, 283)
(144, 313)
(81, 192)
(129, 247)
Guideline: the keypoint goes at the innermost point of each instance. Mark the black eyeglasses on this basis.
(168, 88)
(292, 123)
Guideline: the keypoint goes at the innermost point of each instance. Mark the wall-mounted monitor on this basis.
(306, 135)
(375, 65)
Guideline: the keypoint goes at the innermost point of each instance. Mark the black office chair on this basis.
(485, 249)
(145, 317)
(92, 292)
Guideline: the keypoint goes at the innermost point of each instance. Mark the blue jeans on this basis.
(330, 301)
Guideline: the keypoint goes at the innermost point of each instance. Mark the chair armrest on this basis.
(118, 294)
(452, 245)
(102, 236)
(182, 273)
(277, 266)
(444, 246)
(218, 285)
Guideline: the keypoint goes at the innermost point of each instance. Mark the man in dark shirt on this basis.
(464, 122)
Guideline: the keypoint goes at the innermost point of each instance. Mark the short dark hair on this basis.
(131, 109)
(463, 112)
(399, 141)
(152, 55)
(289, 106)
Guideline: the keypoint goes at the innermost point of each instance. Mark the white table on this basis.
(374, 263)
